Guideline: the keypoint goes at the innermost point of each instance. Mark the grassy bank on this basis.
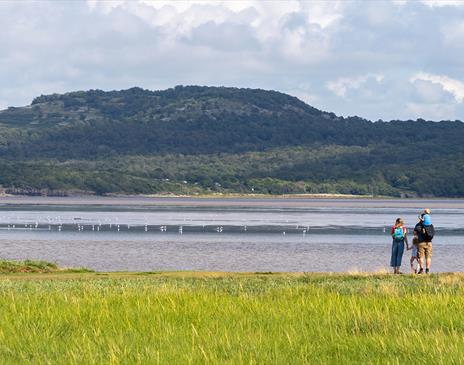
(34, 266)
(198, 318)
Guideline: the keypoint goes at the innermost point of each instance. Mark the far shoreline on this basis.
(260, 196)
(207, 196)
(228, 200)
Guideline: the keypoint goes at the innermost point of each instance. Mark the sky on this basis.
(374, 59)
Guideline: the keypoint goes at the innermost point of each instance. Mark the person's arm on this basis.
(406, 239)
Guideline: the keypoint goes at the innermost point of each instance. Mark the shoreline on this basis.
(173, 196)
(70, 273)
(261, 196)
(35, 269)
(224, 201)
(205, 196)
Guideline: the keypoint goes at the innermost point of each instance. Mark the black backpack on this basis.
(428, 232)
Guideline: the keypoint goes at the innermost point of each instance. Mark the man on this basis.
(425, 235)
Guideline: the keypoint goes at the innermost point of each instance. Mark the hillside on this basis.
(201, 139)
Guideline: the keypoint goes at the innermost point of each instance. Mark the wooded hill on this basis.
(201, 139)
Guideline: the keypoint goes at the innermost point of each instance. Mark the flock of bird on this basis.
(76, 224)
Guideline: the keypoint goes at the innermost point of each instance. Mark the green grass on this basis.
(207, 318)
(33, 266)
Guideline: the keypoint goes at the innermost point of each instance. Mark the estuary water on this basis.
(252, 235)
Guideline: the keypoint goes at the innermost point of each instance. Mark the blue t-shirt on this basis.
(426, 220)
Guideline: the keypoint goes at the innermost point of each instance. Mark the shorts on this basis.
(424, 249)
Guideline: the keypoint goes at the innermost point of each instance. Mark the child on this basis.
(414, 260)
(425, 217)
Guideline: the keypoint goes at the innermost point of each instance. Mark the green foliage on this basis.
(326, 169)
(219, 140)
(8, 266)
(35, 266)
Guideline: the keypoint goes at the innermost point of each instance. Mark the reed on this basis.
(195, 318)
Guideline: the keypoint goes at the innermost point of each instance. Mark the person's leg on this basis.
(393, 256)
(412, 261)
(399, 256)
(428, 257)
(420, 254)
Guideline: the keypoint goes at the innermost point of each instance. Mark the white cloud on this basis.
(453, 86)
(332, 54)
(340, 86)
(430, 92)
(179, 18)
(441, 3)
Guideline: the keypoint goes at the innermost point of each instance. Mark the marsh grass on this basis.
(34, 266)
(9, 266)
(203, 318)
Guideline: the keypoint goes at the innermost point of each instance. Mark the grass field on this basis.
(208, 318)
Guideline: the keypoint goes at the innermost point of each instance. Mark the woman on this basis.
(398, 233)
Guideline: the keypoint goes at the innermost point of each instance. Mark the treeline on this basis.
(323, 169)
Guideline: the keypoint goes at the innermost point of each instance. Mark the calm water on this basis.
(144, 234)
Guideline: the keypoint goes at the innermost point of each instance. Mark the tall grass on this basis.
(34, 266)
(9, 266)
(232, 319)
